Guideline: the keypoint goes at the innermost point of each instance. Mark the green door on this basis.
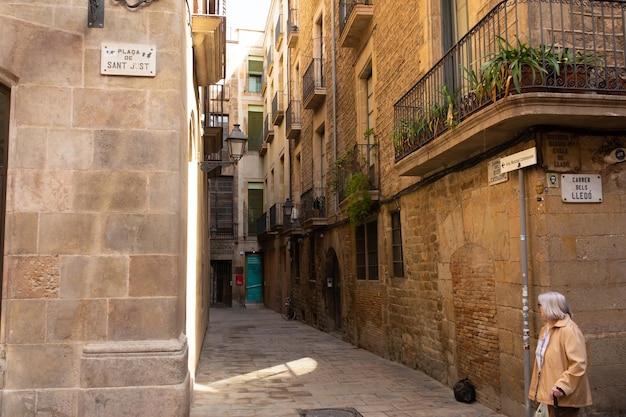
(254, 279)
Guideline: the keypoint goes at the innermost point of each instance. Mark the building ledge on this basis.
(503, 120)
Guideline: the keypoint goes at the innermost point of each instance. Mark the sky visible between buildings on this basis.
(247, 14)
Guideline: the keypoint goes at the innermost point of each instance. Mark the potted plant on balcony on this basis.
(518, 65)
(477, 93)
(577, 68)
(450, 98)
(351, 170)
(409, 133)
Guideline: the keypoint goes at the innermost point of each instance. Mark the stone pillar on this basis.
(94, 264)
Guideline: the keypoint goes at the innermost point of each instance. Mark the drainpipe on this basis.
(334, 82)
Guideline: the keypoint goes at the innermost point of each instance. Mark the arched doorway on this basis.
(333, 291)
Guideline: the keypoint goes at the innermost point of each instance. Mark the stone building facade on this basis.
(443, 270)
(104, 274)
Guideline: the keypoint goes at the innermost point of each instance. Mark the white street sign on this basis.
(128, 59)
(519, 160)
(581, 188)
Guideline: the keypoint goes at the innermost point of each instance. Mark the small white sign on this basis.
(128, 59)
(581, 188)
(494, 172)
(519, 160)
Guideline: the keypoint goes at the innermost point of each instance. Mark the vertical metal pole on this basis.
(334, 81)
(526, 320)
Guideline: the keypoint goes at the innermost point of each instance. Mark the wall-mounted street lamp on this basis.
(236, 142)
(287, 208)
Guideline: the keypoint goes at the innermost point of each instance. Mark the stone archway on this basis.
(477, 344)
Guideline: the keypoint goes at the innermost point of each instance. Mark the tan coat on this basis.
(564, 365)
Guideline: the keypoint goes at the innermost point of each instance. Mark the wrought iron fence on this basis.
(293, 118)
(313, 77)
(345, 9)
(276, 215)
(278, 31)
(313, 204)
(520, 46)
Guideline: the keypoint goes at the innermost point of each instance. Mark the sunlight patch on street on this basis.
(291, 369)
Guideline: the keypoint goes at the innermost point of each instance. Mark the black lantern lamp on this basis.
(236, 143)
(287, 208)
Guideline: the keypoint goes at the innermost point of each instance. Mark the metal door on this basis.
(254, 279)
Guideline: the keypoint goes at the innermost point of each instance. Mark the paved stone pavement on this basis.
(254, 363)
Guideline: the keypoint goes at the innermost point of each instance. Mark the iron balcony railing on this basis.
(345, 10)
(293, 119)
(278, 31)
(520, 46)
(313, 77)
(268, 128)
(278, 107)
(262, 225)
(276, 217)
(313, 204)
(224, 232)
(269, 60)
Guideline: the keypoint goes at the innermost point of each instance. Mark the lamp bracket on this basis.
(95, 13)
(207, 166)
(136, 4)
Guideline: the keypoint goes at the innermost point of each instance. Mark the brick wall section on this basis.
(473, 282)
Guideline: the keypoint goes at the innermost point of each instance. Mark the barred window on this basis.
(366, 238)
(396, 245)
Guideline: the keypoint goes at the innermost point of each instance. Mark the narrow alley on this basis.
(254, 363)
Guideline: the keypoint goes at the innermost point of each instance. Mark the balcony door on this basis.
(455, 24)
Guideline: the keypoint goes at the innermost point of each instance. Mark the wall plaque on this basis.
(128, 59)
(494, 174)
(581, 188)
(561, 152)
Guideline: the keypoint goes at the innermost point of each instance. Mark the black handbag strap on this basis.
(556, 405)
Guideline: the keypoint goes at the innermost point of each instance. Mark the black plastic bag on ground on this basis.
(464, 391)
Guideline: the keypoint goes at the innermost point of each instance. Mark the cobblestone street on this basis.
(256, 364)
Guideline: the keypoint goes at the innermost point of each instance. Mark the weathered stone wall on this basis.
(93, 312)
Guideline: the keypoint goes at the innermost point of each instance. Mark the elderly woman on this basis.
(561, 360)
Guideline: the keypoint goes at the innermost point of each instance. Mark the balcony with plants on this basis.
(355, 179)
(526, 63)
